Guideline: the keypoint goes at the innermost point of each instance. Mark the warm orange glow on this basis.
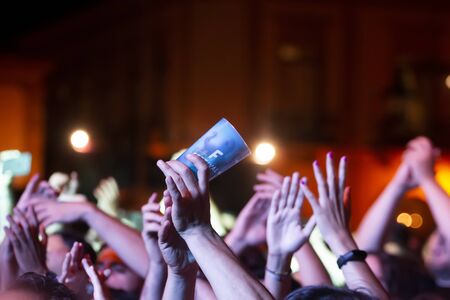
(443, 175)
(447, 81)
(405, 219)
(416, 220)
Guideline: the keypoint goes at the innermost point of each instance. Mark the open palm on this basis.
(173, 248)
(285, 234)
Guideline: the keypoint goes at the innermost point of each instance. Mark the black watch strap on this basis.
(354, 255)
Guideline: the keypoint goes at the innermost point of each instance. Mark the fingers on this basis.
(76, 253)
(92, 274)
(265, 187)
(270, 178)
(188, 177)
(65, 268)
(293, 191)
(341, 182)
(173, 191)
(18, 234)
(153, 198)
(309, 227)
(202, 172)
(321, 186)
(24, 225)
(284, 193)
(164, 230)
(299, 199)
(342, 175)
(13, 239)
(152, 217)
(46, 190)
(31, 186)
(167, 199)
(274, 203)
(33, 218)
(309, 195)
(176, 178)
(331, 177)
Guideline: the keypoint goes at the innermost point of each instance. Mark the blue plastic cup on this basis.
(221, 147)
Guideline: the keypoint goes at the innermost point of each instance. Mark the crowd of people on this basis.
(178, 254)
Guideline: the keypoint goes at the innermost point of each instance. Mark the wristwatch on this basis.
(354, 255)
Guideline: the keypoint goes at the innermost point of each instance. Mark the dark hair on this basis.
(69, 237)
(322, 292)
(44, 286)
(403, 276)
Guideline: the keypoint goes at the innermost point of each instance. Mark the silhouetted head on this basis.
(32, 286)
(326, 293)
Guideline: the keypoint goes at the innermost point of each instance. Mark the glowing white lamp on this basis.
(264, 153)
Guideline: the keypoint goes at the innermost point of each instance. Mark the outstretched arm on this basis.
(157, 270)
(329, 212)
(312, 271)
(116, 234)
(191, 219)
(420, 156)
(370, 237)
(284, 235)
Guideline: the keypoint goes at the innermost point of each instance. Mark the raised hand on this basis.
(107, 193)
(191, 207)
(269, 181)
(173, 248)
(329, 210)
(250, 227)
(190, 214)
(51, 211)
(23, 234)
(73, 275)
(331, 217)
(35, 190)
(100, 290)
(151, 218)
(420, 156)
(285, 234)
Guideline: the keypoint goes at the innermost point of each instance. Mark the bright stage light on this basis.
(264, 153)
(405, 219)
(447, 81)
(80, 140)
(416, 220)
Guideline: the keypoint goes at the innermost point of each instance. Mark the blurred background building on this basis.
(146, 78)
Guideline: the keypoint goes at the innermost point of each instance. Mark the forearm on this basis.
(222, 269)
(358, 275)
(203, 290)
(235, 243)
(155, 281)
(124, 240)
(180, 286)
(312, 271)
(370, 237)
(439, 203)
(277, 278)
